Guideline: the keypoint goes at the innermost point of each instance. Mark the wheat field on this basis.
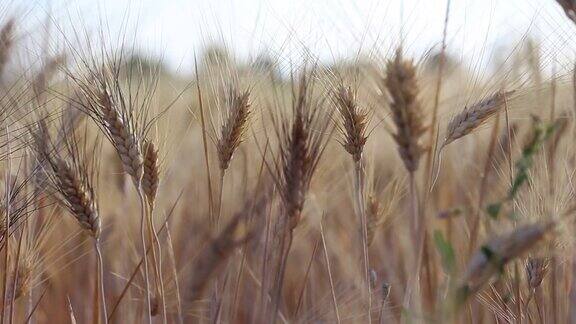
(379, 189)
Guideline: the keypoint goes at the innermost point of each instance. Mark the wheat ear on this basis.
(402, 86)
(474, 116)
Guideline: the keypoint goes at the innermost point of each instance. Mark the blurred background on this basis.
(482, 33)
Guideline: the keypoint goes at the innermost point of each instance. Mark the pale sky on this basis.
(328, 29)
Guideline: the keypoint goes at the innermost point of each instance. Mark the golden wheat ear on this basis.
(124, 138)
(303, 137)
(233, 129)
(151, 176)
(354, 122)
(105, 99)
(69, 177)
(402, 86)
(474, 116)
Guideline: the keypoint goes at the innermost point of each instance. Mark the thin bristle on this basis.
(41, 82)
(402, 86)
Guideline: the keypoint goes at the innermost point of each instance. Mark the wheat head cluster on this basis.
(379, 190)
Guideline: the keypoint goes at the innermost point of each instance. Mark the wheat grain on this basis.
(151, 176)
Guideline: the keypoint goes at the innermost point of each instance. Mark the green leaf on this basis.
(487, 251)
(540, 133)
(446, 252)
(493, 257)
(493, 210)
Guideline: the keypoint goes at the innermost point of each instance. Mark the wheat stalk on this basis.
(41, 81)
(231, 135)
(69, 178)
(106, 103)
(150, 180)
(402, 86)
(353, 130)
(303, 137)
